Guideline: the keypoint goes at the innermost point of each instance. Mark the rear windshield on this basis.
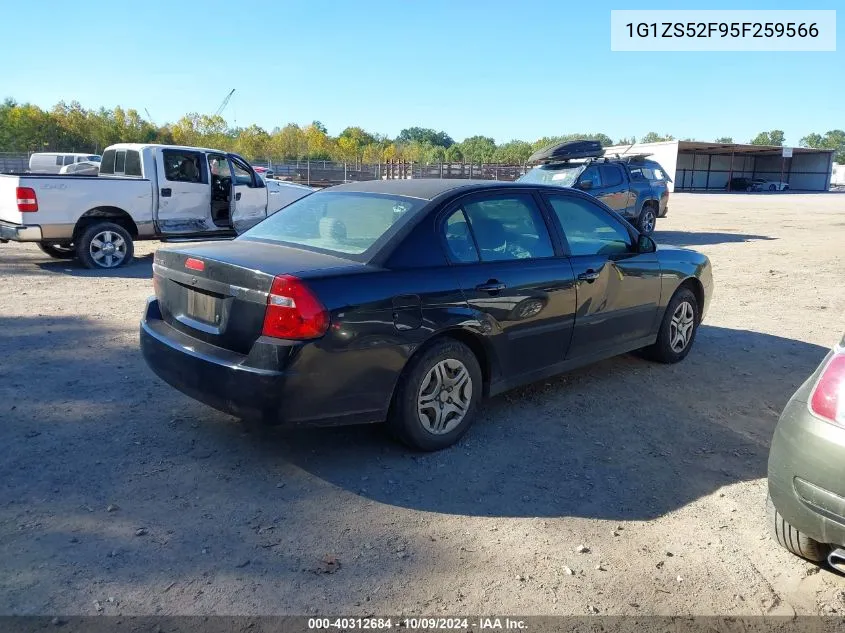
(561, 175)
(347, 223)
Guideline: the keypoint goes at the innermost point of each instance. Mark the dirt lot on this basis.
(120, 495)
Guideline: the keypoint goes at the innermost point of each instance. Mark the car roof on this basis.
(422, 188)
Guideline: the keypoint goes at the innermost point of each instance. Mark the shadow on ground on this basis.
(140, 268)
(687, 238)
(624, 439)
(86, 425)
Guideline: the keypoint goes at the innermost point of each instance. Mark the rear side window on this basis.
(458, 239)
(611, 175)
(107, 164)
(637, 173)
(133, 163)
(588, 229)
(181, 166)
(68, 160)
(508, 228)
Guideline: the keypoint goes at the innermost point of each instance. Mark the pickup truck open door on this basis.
(248, 204)
(184, 192)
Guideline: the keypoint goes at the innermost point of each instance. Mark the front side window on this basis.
(507, 228)
(350, 223)
(181, 166)
(243, 175)
(59, 161)
(68, 160)
(589, 230)
(592, 174)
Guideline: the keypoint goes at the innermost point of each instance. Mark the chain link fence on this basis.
(326, 172)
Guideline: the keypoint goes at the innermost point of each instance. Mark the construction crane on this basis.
(225, 102)
(149, 116)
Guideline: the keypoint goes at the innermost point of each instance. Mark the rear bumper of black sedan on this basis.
(223, 380)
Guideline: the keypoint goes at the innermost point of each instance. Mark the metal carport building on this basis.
(703, 166)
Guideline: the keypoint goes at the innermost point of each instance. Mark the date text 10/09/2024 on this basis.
(722, 29)
(420, 624)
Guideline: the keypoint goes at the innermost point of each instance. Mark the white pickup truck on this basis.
(141, 192)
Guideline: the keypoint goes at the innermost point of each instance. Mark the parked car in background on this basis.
(82, 168)
(769, 185)
(739, 184)
(264, 172)
(410, 300)
(807, 466)
(633, 186)
(52, 162)
(141, 192)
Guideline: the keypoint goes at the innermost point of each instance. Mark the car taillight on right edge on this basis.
(828, 398)
(293, 311)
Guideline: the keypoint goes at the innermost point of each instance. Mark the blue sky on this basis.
(503, 69)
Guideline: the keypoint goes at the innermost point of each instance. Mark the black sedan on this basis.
(407, 301)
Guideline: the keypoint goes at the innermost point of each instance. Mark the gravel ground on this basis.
(121, 496)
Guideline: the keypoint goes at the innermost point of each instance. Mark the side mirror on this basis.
(585, 184)
(646, 245)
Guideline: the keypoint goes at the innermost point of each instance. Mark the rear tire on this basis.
(437, 397)
(105, 245)
(56, 250)
(793, 540)
(647, 220)
(678, 329)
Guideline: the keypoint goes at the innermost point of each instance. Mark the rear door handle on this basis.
(165, 193)
(589, 276)
(491, 286)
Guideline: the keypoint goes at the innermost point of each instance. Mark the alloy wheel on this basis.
(107, 249)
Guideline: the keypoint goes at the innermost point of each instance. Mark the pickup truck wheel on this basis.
(648, 220)
(105, 245)
(57, 251)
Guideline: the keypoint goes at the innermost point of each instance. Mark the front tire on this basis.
(793, 540)
(437, 397)
(105, 245)
(57, 251)
(678, 329)
(773, 187)
(647, 220)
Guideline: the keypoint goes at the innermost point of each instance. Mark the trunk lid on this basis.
(217, 291)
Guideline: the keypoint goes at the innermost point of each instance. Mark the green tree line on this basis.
(70, 127)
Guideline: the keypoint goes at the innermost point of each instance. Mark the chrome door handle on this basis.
(590, 276)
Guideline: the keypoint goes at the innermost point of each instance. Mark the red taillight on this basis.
(293, 311)
(27, 201)
(828, 398)
(192, 263)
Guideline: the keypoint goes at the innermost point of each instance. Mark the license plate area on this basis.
(203, 307)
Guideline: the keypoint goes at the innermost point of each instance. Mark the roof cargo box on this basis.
(567, 151)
